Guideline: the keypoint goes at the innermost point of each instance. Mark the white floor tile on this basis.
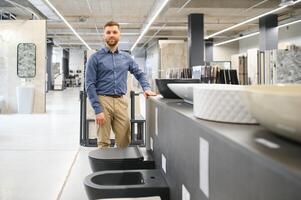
(37, 150)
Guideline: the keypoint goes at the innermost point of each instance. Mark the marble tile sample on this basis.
(288, 67)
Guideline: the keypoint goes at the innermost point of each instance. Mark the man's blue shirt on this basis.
(106, 74)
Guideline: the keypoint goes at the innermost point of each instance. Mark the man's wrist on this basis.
(98, 112)
(146, 89)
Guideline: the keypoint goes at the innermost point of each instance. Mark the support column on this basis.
(209, 50)
(195, 39)
(49, 64)
(268, 37)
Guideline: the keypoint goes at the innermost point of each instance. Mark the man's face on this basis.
(111, 35)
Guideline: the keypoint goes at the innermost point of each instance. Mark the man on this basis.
(106, 85)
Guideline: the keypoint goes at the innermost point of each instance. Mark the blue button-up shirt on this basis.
(106, 74)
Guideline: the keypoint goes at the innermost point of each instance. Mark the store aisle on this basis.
(37, 151)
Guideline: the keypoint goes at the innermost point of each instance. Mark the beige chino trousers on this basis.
(117, 119)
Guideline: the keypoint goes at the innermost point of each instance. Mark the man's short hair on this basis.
(111, 23)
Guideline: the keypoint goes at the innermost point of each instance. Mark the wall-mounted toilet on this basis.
(120, 173)
(126, 183)
(119, 159)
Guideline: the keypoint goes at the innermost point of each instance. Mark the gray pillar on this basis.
(49, 64)
(268, 37)
(209, 50)
(195, 39)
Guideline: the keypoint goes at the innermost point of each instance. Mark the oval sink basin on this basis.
(184, 91)
(276, 107)
(164, 89)
(221, 103)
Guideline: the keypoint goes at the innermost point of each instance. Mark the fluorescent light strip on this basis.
(289, 23)
(249, 20)
(67, 23)
(235, 39)
(256, 33)
(89, 6)
(244, 22)
(153, 35)
(180, 9)
(149, 24)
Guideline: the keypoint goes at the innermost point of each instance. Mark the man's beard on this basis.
(112, 42)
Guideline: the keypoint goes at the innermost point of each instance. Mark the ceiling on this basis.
(87, 17)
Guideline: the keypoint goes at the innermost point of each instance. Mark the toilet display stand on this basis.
(126, 184)
(119, 159)
(119, 173)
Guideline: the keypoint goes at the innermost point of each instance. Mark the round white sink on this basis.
(276, 107)
(221, 103)
(183, 90)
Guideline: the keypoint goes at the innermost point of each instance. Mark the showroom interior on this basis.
(225, 123)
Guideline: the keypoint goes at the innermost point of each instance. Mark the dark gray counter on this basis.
(245, 161)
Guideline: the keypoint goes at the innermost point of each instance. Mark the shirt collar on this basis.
(108, 50)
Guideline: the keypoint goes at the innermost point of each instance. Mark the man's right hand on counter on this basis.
(100, 118)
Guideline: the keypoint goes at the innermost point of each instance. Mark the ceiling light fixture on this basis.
(149, 24)
(235, 39)
(256, 33)
(289, 23)
(249, 20)
(67, 23)
(183, 6)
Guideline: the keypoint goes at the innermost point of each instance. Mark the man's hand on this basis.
(100, 118)
(148, 93)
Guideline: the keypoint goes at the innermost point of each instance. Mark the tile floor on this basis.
(40, 155)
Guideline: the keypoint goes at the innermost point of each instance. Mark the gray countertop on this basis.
(252, 139)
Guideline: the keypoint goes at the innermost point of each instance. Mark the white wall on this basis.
(287, 36)
(12, 33)
(224, 52)
(76, 59)
(248, 43)
(290, 35)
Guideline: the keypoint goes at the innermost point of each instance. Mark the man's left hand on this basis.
(148, 93)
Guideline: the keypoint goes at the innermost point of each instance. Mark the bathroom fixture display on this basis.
(185, 91)
(276, 107)
(126, 183)
(26, 60)
(25, 98)
(118, 159)
(221, 103)
(164, 89)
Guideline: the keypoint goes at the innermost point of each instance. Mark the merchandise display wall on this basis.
(11, 34)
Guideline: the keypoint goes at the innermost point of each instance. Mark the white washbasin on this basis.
(25, 98)
(221, 103)
(276, 107)
(185, 91)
